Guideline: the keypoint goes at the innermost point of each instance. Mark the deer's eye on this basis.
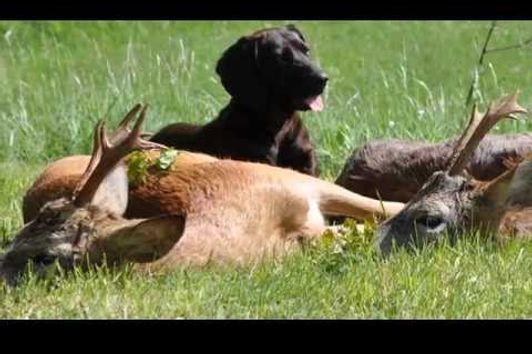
(430, 221)
(44, 259)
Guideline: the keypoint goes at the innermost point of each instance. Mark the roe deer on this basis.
(395, 169)
(451, 204)
(222, 211)
(59, 179)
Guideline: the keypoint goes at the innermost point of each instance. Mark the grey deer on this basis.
(451, 203)
(395, 169)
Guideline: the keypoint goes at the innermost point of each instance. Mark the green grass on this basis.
(388, 79)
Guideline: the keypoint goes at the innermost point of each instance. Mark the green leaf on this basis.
(166, 159)
(138, 164)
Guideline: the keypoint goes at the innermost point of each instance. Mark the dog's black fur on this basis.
(269, 76)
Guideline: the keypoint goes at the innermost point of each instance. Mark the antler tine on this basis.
(136, 134)
(474, 121)
(123, 127)
(134, 138)
(103, 138)
(479, 126)
(130, 115)
(107, 154)
(95, 156)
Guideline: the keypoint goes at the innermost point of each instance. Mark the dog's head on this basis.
(272, 69)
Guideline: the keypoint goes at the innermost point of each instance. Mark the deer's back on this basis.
(194, 182)
(396, 169)
(60, 178)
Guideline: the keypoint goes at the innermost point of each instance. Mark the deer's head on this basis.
(450, 203)
(89, 227)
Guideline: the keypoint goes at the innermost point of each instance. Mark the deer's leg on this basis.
(301, 216)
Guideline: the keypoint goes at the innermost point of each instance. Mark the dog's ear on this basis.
(239, 71)
(293, 28)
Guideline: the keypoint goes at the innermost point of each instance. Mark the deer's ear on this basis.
(512, 187)
(496, 192)
(112, 192)
(145, 240)
(520, 192)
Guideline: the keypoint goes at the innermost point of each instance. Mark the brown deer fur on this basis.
(194, 179)
(61, 177)
(199, 211)
(397, 169)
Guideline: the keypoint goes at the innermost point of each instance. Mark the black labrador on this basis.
(270, 76)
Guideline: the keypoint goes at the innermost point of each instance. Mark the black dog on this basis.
(270, 77)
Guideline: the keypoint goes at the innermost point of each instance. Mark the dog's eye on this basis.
(287, 55)
(301, 46)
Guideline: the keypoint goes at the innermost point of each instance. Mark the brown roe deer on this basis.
(201, 210)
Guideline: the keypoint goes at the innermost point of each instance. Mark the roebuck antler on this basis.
(479, 125)
(451, 204)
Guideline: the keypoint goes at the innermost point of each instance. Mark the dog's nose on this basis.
(321, 79)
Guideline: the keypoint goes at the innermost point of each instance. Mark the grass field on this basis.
(387, 79)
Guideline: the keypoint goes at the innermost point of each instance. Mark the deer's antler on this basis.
(478, 126)
(107, 152)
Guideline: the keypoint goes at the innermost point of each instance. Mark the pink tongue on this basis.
(315, 103)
